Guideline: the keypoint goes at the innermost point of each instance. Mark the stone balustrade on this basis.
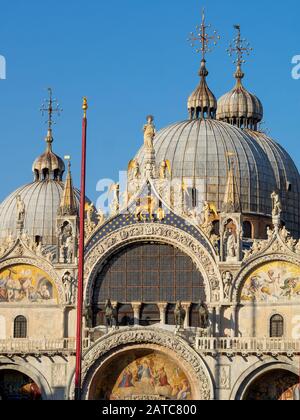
(40, 347)
(246, 346)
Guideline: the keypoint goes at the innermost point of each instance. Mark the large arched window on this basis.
(276, 326)
(149, 273)
(20, 327)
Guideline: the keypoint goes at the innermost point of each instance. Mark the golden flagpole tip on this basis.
(85, 106)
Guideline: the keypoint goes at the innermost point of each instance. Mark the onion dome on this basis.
(240, 107)
(202, 103)
(48, 165)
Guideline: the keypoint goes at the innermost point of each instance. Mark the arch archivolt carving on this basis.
(30, 371)
(157, 233)
(42, 265)
(255, 264)
(248, 377)
(107, 348)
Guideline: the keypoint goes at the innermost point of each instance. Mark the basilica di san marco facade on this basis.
(191, 282)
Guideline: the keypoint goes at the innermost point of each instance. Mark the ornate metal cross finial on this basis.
(240, 47)
(204, 38)
(50, 106)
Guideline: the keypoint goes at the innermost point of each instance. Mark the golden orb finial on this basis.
(85, 106)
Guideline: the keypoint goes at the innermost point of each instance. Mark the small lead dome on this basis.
(48, 165)
(239, 107)
(202, 101)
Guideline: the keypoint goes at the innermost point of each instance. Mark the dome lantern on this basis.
(202, 103)
(49, 165)
(239, 107)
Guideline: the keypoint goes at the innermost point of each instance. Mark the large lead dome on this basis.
(287, 179)
(198, 150)
(42, 200)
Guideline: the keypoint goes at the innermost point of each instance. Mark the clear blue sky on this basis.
(131, 58)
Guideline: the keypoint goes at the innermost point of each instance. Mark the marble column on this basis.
(187, 306)
(236, 320)
(162, 306)
(216, 321)
(233, 320)
(136, 306)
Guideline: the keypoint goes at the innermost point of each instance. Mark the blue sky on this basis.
(131, 58)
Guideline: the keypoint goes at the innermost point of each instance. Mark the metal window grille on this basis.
(20, 327)
(276, 326)
(149, 273)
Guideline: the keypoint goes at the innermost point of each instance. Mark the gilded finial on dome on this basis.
(206, 40)
(50, 106)
(202, 103)
(239, 47)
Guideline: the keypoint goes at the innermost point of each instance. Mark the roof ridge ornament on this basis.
(202, 103)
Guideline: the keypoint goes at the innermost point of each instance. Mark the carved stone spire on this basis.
(68, 206)
(232, 202)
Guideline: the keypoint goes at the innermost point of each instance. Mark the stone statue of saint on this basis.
(277, 207)
(68, 283)
(179, 313)
(165, 168)
(69, 246)
(20, 209)
(227, 282)
(231, 246)
(149, 132)
(69, 288)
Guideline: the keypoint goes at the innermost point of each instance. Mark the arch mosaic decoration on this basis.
(192, 377)
(24, 283)
(252, 266)
(275, 281)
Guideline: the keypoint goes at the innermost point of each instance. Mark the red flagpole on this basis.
(81, 258)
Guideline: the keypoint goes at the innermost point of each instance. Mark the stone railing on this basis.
(247, 346)
(40, 347)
